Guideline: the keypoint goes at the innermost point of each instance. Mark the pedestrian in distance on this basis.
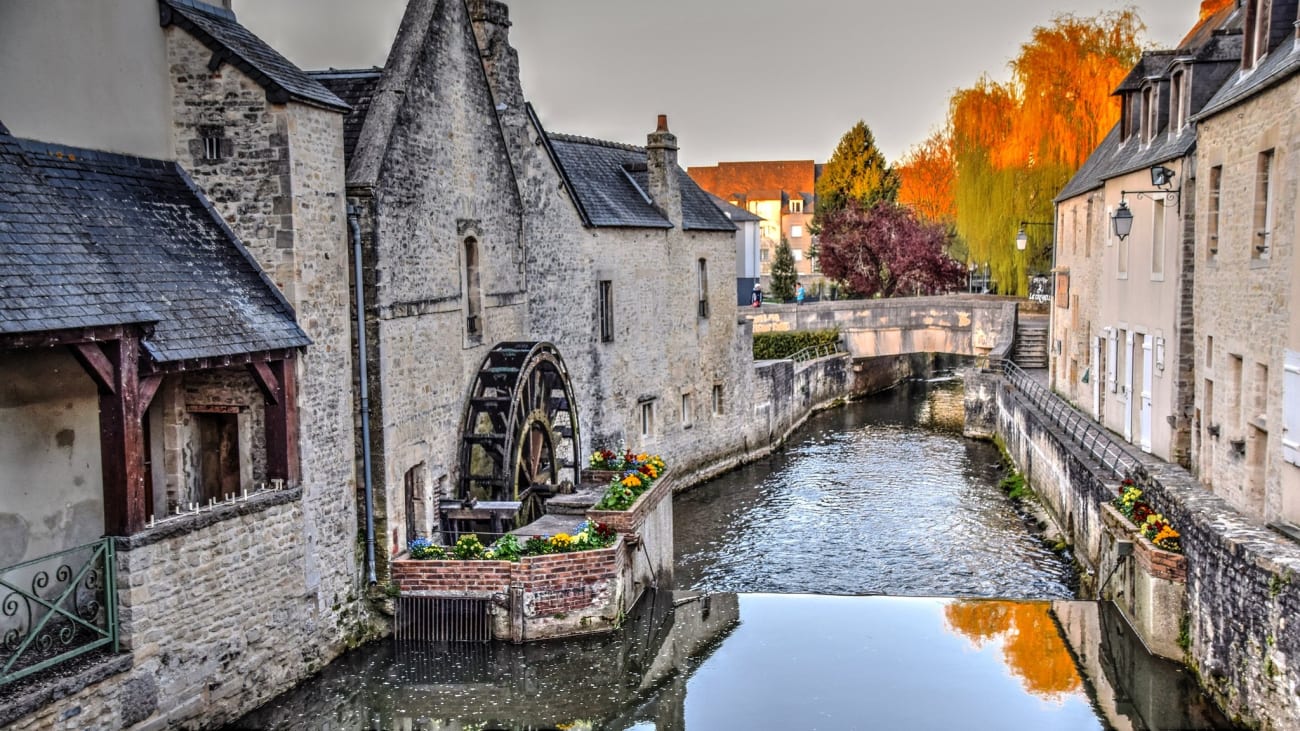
(799, 294)
(756, 298)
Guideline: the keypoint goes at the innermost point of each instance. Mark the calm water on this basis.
(760, 662)
(880, 497)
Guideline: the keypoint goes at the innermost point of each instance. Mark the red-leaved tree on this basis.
(885, 251)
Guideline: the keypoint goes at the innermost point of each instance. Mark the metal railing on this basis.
(815, 352)
(68, 608)
(1092, 437)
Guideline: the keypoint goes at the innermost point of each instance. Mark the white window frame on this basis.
(796, 231)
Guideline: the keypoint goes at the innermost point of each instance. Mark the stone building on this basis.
(779, 192)
(1122, 317)
(478, 228)
(176, 342)
(1247, 346)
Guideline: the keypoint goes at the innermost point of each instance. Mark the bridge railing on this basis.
(1090, 436)
(815, 352)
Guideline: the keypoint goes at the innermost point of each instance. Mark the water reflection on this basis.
(882, 496)
(693, 662)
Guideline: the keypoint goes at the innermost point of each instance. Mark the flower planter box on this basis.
(599, 477)
(1155, 561)
(631, 520)
(557, 595)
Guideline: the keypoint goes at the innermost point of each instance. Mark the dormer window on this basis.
(1125, 118)
(1149, 118)
(1255, 33)
(796, 205)
(1178, 102)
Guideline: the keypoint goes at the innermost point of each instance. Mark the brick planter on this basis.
(631, 521)
(549, 596)
(599, 477)
(1156, 562)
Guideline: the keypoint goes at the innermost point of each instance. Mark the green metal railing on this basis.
(67, 609)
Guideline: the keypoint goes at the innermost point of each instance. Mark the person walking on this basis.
(799, 294)
(756, 299)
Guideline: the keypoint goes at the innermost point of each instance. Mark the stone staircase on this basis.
(1032, 337)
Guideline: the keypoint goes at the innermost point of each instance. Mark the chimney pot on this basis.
(663, 123)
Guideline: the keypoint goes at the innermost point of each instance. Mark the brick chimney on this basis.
(491, 21)
(661, 163)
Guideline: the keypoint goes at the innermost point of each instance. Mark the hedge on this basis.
(775, 346)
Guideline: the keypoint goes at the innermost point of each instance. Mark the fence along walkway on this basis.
(1092, 437)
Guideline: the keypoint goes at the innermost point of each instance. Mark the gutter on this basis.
(354, 226)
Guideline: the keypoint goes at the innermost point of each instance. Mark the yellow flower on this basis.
(561, 539)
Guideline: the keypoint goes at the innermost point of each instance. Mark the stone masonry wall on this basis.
(1242, 591)
(1245, 304)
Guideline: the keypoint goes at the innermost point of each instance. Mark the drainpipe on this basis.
(354, 225)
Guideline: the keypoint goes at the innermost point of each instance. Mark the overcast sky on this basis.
(739, 79)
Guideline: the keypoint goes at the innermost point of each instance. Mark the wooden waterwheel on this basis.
(519, 437)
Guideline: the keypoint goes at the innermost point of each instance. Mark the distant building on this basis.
(748, 248)
(781, 193)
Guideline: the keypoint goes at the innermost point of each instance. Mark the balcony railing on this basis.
(815, 352)
(1092, 437)
(56, 608)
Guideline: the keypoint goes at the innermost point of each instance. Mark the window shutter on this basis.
(1112, 355)
(1291, 408)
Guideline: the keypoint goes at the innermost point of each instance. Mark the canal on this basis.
(871, 574)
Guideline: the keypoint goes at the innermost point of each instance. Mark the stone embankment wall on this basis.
(980, 326)
(1242, 591)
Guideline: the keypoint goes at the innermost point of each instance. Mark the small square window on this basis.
(212, 137)
(796, 232)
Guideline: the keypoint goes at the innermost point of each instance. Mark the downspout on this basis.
(354, 226)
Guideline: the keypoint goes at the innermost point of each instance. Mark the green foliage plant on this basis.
(856, 174)
(783, 276)
(779, 345)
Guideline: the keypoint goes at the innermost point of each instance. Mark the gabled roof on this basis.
(735, 213)
(216, 28)
(356, 87)
(1280, 64)
(1151, 64)
(90, 239)
(610, 182)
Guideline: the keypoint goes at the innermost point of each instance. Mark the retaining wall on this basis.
(1242, 593)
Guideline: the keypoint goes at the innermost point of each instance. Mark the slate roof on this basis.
(356, 87)
(91, 239)
(610, 182)
(735, 213)
(216, 28)
(1280, 64)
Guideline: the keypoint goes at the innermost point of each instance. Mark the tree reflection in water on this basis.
(1031, 643)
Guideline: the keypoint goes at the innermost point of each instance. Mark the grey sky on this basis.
(739, 79)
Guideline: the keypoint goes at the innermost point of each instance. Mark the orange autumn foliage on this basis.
(1210, 7)
(1032, 647)
(925, 175)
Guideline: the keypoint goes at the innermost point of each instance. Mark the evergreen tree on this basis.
(784, 276)
(856, 173)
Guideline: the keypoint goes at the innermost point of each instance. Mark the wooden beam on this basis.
(54, 338)
(282, 423)
(122, 438)
(148, 389)
(92, 358)
(266, 381)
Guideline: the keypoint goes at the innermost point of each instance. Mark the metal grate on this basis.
(442, 619)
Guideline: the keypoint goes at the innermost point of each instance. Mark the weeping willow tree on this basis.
(1016, 144)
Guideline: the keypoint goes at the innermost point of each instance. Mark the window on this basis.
(1255, 33)
(647, 419)
(1125, 119)
(687, 414)
(797, 254)
(212, 137)
(1236, 384)
(796, 232)
(1209, 351)
(796, 205)
(765, 255)
(473, 306)
(1291, 408)
(717, 399)
(1158, 241)
(702, 270)
(1148, 114)
(1263, 228)
(606, 297)
(1178, 101)
(1212, 220)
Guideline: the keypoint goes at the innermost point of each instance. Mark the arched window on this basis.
(473, 303)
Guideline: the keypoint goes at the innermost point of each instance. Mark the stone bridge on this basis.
(980, 326)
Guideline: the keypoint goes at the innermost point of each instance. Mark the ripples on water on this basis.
(883, 496)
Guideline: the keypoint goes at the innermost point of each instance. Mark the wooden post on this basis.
(279, 385)
(114, 365)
